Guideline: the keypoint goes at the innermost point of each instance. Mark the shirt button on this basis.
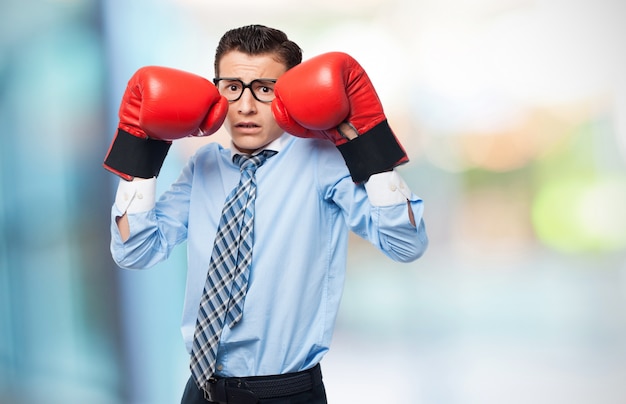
(139, 196)
(220, 367)
(392, 187)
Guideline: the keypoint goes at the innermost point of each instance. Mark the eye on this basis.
(264, 87)
(230, 86)
(234, 87)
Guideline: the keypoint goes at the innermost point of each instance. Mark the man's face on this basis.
(250, 122)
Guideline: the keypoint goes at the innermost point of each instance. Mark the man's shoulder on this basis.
(211, 149)
(321, 155)
(314, 146)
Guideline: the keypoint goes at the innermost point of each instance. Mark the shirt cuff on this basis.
(136, 196)
(387, 188)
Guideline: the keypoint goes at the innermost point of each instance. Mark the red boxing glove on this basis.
(160, 105)
(316, 96)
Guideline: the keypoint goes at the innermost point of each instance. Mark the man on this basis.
(328, 158)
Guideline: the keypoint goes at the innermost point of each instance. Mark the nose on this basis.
(247, 103)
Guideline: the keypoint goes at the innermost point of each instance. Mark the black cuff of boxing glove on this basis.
(373, 152)
(136, 156)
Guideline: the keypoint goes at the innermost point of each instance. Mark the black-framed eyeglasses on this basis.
(232, 88)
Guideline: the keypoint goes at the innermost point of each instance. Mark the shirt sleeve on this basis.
(377, 210)
(156, 226)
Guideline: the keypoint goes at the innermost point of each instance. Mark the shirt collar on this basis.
(277, 145)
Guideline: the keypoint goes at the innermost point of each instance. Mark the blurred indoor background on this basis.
(514, 116)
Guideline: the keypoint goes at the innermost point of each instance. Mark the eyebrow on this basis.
(240, 79)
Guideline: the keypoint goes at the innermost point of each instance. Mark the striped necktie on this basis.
(227, 280)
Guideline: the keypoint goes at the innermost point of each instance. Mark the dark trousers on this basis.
(316, 395)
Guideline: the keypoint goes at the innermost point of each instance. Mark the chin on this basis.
(247, 146)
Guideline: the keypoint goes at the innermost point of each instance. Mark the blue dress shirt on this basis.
(306, 205)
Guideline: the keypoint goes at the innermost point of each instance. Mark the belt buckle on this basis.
(210, 393)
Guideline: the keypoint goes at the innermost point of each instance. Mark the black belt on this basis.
(249, 390)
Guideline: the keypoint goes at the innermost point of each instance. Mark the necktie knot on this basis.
(251, 163)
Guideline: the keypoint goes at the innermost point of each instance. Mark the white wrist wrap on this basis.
(388, 188)
(138, 195)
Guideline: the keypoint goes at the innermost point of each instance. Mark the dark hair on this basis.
(259, 40)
